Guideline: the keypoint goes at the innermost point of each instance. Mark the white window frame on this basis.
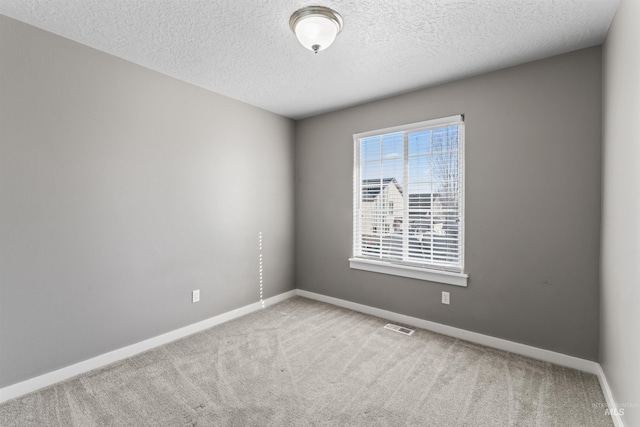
(399, 268)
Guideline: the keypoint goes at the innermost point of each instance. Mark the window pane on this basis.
(371, 148)
(420, 142)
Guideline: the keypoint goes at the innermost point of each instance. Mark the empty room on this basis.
(340, 213)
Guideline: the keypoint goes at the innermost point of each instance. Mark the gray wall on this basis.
(620, 294)
(533, 152)
(121, 190)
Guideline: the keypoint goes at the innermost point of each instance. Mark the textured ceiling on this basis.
(244, 48)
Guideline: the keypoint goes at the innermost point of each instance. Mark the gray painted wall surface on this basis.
(121, 190)
(620, 293)
(533, 153)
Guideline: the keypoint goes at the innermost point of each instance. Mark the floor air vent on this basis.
(397, 328)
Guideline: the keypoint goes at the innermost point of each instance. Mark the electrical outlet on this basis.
(195, 295)
(445, 297)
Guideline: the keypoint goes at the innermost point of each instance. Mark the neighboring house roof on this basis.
(372, 187)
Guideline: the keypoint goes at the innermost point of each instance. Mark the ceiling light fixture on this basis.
(316, 27)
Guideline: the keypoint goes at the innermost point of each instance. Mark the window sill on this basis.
(457, 279)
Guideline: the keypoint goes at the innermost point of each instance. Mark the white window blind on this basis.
(409, 195)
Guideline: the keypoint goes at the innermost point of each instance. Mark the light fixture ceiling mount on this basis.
(316, 27)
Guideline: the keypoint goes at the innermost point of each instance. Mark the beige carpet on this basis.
(305, 363)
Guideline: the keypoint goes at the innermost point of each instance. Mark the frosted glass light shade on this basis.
(316, 27)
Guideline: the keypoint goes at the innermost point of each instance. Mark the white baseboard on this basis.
(608, 395)
(62, 374)
(33, 384)
(499, 343)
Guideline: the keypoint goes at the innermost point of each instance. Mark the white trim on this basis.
(411, 126)
(499, 343)
(608, 396)
(448, 277)
(67, 372)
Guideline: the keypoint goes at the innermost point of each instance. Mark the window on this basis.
(409, 201)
